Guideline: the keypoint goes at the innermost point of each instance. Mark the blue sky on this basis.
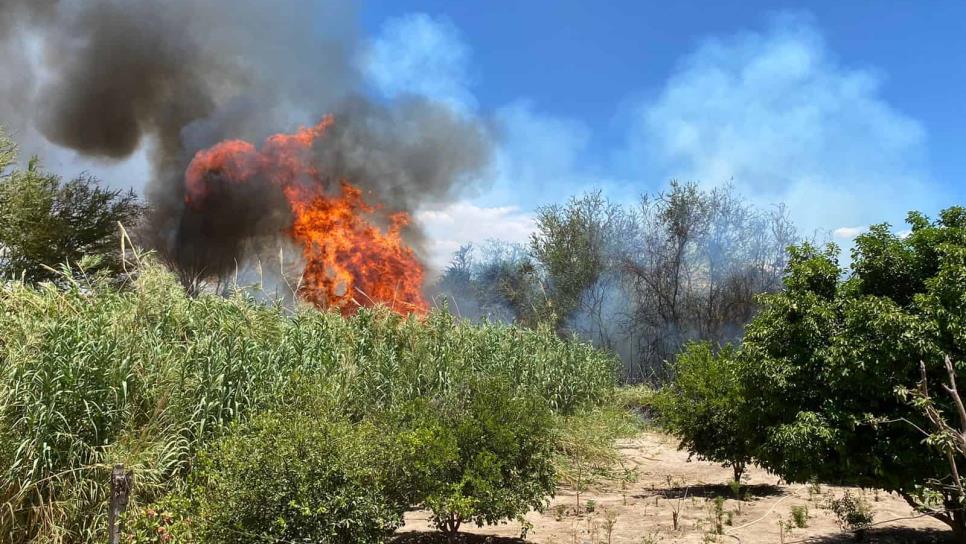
(845, 111)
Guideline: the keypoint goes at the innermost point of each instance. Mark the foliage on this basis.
(576, 244)
(638, 398)
(585, 454)
(696, 267)
(167, 521)
(639, 281)
(498, 281)
(800, 515)
(287, 477)
(705, 407)
(821, 363)
(852, 511)
(716, 513)
(419, 450)
(46, 222)
(502, 466)
(93, 374)
(945, 437)
(8, 151)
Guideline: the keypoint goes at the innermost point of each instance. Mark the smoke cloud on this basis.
(106, 78)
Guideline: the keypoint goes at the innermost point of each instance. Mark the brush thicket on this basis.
(93, 374)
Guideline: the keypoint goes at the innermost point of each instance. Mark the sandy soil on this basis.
(643, 512)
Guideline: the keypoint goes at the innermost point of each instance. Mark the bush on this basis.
(636, 398)
(800, 516)
(820, 366)
(295, 478)
(503, 463)
(585, 453)
(852, 512)
(704, 407)
(419, 450)
(167, 521)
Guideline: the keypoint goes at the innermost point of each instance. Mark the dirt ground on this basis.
(667, 481)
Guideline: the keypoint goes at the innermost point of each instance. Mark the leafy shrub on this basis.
(820, 365)
(852, 511)
(717, 512)
(585, 454)
(637, 398)
(504, 457)
(825, 357)
(419, 450)
(46, 222)
(287, 477)
(800, 516)
(704, 406)
(167, 521)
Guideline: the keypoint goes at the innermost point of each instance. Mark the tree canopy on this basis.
(822, 365)
(46, 222)
(639, 280)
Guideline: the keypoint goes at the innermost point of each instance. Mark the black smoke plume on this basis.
(106, 77)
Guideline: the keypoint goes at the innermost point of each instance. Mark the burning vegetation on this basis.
(193, 90)
(348, 259)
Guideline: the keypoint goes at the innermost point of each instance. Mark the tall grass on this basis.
(92, 374)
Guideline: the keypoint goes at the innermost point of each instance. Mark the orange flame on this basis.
(349, 262)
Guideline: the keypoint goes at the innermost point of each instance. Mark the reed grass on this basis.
(92, 374)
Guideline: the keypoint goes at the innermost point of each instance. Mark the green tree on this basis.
(45, 222)
(501, 462)
(705, 407)
(823, 361)
(576, 244)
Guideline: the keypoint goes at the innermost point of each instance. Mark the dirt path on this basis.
(643, 514)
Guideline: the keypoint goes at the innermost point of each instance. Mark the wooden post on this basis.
(121, 481)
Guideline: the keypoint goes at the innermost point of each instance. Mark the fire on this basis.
(349, 261)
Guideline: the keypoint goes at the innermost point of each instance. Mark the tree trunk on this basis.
(452, 529)
(958, 525)
(738, 469)
(954, 517)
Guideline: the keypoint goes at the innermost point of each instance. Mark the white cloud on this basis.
(778, 115)
(773, 112)
(464, 222)
(847, 233)
(423, 55)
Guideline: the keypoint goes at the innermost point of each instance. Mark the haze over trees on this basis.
(640, 280)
